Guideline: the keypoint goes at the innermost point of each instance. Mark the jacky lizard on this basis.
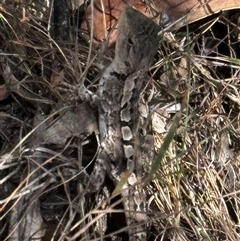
(121, 124)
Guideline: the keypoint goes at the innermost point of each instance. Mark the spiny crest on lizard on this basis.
(137, 42)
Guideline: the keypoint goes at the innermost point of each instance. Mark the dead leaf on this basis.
(105, 13)
(77, 121)
(192, 10)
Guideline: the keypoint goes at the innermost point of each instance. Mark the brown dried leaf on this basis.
(79, 121)
(107, 12)
(194, 10)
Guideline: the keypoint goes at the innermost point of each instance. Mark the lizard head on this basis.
(137, 42)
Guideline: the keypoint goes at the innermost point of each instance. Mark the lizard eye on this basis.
(130, 42)
(127, 63)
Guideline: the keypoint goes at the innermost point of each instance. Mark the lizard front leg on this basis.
(88, 96)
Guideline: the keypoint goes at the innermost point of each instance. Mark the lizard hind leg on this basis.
(99, 172)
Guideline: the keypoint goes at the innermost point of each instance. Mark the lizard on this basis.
(117, 102)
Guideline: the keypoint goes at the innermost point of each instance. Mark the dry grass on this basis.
(195, 178)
